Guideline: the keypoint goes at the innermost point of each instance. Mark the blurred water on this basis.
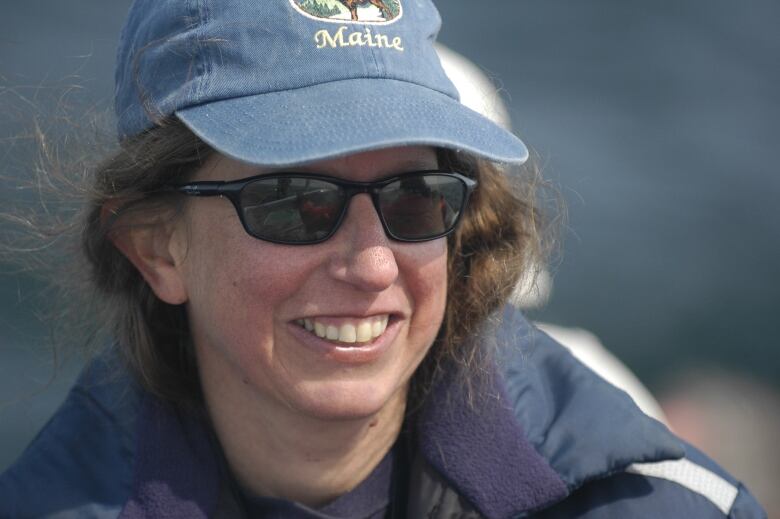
(659, 120)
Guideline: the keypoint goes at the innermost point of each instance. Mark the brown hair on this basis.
(500, 237)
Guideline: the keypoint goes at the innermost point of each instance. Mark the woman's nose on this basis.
(365, 258)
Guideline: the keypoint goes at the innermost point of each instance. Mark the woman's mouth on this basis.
(346, 330)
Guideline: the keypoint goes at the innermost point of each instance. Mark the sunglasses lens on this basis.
(291, 210)
(422, 207)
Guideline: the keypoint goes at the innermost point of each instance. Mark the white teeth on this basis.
(361, 331)
(319, 329)
(377, 327)
(347, 333)
(332, 333)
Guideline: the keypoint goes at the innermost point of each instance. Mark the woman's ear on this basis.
(156, 250)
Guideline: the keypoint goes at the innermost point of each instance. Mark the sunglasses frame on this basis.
(232, 189)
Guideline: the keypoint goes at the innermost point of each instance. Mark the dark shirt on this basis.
(369, 500)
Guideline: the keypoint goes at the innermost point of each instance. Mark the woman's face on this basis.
(247, 299)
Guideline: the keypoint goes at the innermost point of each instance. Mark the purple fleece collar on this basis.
(177, 472)
(483, 452)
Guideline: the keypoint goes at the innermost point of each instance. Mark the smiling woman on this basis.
(311, 324)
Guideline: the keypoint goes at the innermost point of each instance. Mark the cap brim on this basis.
(344, 117)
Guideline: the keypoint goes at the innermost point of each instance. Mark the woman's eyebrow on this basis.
(418, 164)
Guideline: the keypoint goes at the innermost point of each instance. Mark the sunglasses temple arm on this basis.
(200, 189)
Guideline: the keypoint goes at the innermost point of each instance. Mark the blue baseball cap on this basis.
(281, 82)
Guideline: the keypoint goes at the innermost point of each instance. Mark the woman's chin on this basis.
(348, 401)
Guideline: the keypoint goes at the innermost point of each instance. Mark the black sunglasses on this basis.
(302, 208)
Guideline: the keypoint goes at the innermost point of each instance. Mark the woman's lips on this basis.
(346, 352)
(346, 330)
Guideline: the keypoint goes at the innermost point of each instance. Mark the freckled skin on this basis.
(243, 293)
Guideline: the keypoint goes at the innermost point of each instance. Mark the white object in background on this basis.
(476, 90)
(589, 350)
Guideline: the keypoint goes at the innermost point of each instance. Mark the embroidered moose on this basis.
(352, 5)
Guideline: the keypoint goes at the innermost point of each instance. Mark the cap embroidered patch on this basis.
(351, 11)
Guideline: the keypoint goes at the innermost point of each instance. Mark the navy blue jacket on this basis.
(551, 440)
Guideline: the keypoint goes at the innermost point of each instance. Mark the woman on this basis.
(304, 247)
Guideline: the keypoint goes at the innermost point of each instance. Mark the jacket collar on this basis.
(483, 453)
(584, 426)
(548, 426)
(177, 469)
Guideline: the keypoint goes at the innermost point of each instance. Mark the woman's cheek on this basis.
(427, 282)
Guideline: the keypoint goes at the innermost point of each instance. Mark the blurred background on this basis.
(659, 122)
